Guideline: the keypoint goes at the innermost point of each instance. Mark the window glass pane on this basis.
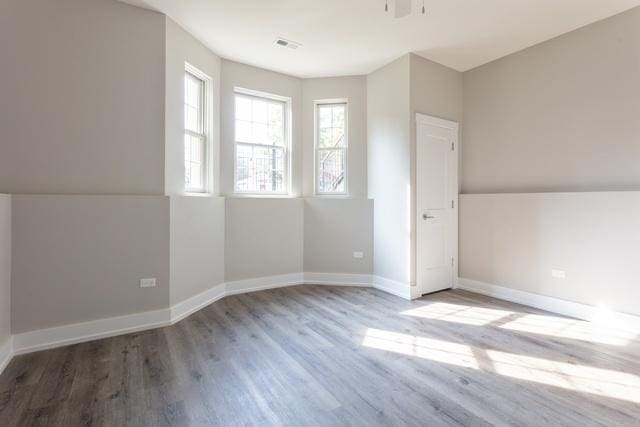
(331, 171)
(193, 103)
(260, 169)
(331, 126)
(259, 111)
(243, 131)
(194, 162)
(243, 108)
(260, 134)
(324, 116)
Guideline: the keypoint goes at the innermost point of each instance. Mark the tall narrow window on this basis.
(261, 137)
(331, 148)
(195, 131)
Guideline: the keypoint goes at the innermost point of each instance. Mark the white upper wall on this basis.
(354, 89)
(81, 98)
(560, 116)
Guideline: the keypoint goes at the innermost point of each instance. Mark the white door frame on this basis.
(423, 119)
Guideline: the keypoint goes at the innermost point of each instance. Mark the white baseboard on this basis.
(43, 339)
(59, 336)
(338, 279)
(402, 290)
(554, 305)
(263, 283)
(197, 302)
(6, 353)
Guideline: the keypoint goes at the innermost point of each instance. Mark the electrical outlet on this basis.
(148, 283)
(558, 274)
(358, 255)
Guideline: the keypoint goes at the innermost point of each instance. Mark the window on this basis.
(195, 130)
(331, 148)
(262, 140)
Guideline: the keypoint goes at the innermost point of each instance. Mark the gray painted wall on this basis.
(435, 90)
(234, 75)
(333, 230)
(5, 268)
(355, 90)
(263, 237)
(560, 116)
(182, 47)
(389, 160)
(81, 98)
(197, 245)
(80, 258)
(515, 240)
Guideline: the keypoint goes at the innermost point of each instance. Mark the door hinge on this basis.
(452, 262)
(453, 146)
(452, 204)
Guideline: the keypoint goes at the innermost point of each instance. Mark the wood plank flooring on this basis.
(332, 356)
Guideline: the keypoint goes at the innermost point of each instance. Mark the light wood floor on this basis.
(313, 355)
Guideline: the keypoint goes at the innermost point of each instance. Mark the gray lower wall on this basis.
(197, 245)
(333, 230)
(80, 258)
(515, 240)
(264, 237)
(5, 268)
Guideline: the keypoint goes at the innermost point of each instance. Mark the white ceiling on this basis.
(351, 37)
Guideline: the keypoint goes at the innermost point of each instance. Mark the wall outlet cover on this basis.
(558, 274)
(358, 255)
(148, 283)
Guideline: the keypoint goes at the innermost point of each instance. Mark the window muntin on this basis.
(331, 148)
(261, 140)
(195, 135)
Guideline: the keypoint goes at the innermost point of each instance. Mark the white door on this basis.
(436, 203)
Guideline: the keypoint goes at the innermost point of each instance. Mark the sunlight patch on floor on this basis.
(424, 348)
(570, 328)
(585, 379)
(570, 376)
(458, 313)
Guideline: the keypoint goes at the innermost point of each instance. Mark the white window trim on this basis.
(316, 123)
(286, 150)
(207, 128)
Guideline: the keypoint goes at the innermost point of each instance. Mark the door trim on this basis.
(423, 119)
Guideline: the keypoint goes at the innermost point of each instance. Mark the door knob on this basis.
(426, 216)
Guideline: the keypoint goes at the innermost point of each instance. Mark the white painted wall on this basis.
(515, 240)
(80, 258)
(81, 98)
(333, 230)
(5, 270)
(354, 89)
(560, 116)
(263, 237)
(182, 47)
(389, 166)
(245, 76)
(197, 245)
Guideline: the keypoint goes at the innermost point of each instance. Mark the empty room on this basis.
(320, 213)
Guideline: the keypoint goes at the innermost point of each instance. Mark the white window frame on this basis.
(286, 148)
(316, 148)
(207, 123)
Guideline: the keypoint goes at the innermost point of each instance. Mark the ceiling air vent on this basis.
(287, 43)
